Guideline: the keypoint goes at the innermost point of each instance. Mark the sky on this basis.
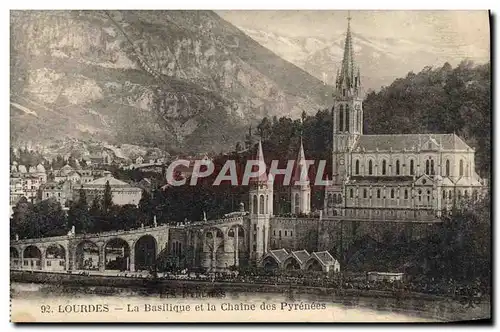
(469, 29)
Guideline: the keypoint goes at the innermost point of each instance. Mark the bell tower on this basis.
(261, 210)
(347, 114)
(347, 110)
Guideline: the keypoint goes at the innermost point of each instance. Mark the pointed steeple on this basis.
(301, 166)
(260, 158)
(260, 153)
(348, 77)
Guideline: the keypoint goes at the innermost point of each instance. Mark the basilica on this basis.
(381, 184)
(384, 188)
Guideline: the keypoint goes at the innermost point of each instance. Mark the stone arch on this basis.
(254, 204)
(55, 257)
(347, 120)
(270, 263)
(145, 252)
(86, 256)
(261, 204)
(384, 167)
(370, 166)
(313, 265)
(398, 167)
(32, 258)
(291, 263)
(220, 257)
(341, 118)
(412, 166)
(356, 168)
(296, 203)
(14, 258)
(14, 253)
(447, 168)
(475, 194)
(117, 254)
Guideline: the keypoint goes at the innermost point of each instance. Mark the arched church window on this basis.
(378, 193)
(427, 167)
(412, 167)
(428, 196)
(261, 204)
(392, 193)
(339, 199)
(351, 193)
(461, 167)
(370, 167)
(406, 193)
(357, 167)
(347, 118)
(397, 167)
(365, 194)
(449, 194)
(297, 204)
(447, 168)
(444, 194)
(384, 167)
(334, 198)
(254, 204)
(467, 170)
(420, 195)
(432, 166)
(341, 118)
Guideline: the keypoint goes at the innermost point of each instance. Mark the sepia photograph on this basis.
(244, 166)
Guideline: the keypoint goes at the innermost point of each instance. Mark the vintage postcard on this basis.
(250, 166)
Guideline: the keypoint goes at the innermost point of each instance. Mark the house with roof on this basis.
(122, 193)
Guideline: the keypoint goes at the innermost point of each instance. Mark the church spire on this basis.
(348, 79)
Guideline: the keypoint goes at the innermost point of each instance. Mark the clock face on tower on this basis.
(357, 107)
(341, 161)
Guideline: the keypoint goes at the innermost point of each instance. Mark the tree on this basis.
(146, 208)
(49, 219)
(107, 202)
(79, 215)
(21, 218)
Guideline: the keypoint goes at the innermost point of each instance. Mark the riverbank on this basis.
(431, 306)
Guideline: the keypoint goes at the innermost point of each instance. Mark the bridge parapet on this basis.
(144, 229)
(41, 240)
(135, 231)
(208, 223)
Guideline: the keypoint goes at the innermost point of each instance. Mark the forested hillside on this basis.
(437, 100)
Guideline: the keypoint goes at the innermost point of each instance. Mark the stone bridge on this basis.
(210, 244)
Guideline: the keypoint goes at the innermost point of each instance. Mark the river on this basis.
(43, 302)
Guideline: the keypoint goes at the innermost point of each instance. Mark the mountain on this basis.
(174, 79)
(381, 59)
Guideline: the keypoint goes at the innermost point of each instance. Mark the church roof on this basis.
(102, 182)
(324, 257)
(279, 254)
(301, 255)
(398, 142)
(373, 179)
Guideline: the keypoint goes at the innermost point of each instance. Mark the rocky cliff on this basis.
(176, 79)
